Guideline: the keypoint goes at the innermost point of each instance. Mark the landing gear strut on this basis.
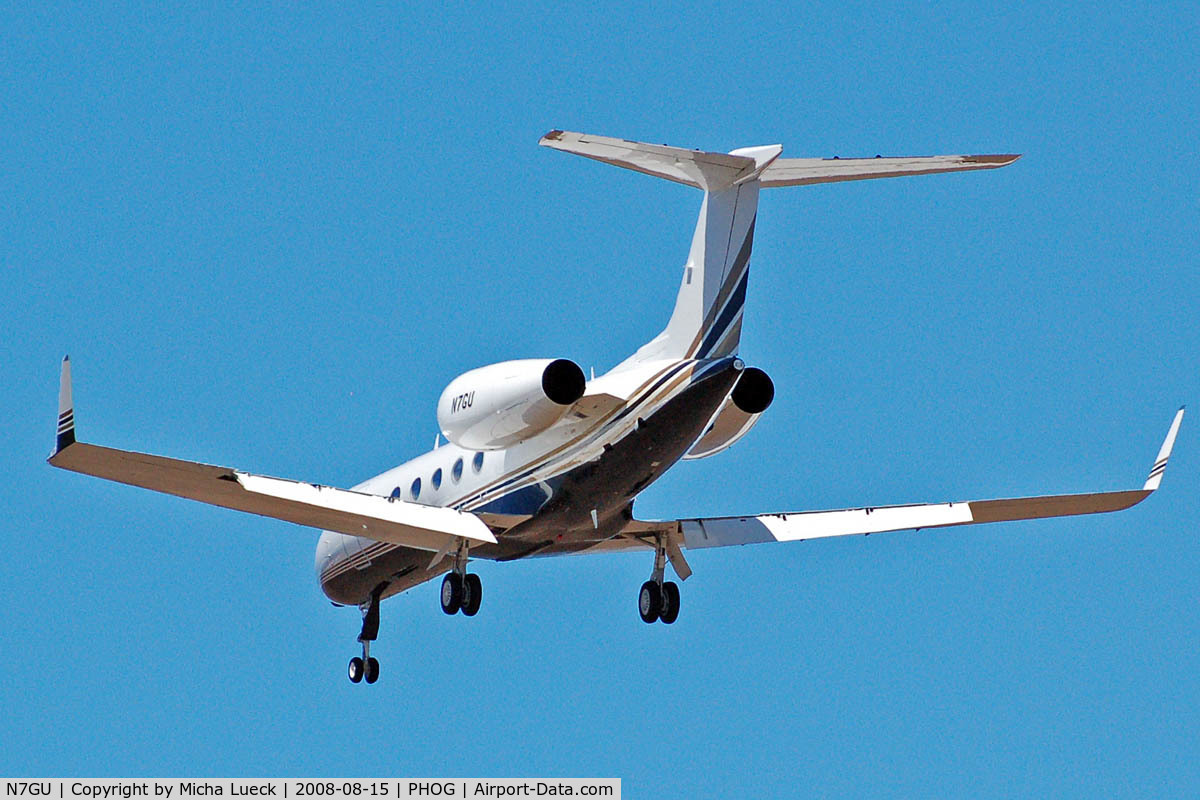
(659, 600)
(461, 591)
(367, 666)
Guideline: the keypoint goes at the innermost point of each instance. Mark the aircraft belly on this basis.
(401, 568)
(564, 522)
(608, 484)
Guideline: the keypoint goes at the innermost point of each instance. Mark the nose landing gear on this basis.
(367, 667)
(360, 668)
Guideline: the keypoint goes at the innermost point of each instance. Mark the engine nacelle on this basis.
(751, 396)
(502, 404)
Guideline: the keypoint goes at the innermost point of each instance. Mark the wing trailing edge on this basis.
(798, 526)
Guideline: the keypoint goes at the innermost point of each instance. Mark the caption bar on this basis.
(305, 789)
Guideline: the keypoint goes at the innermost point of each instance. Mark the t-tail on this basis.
(707, 320)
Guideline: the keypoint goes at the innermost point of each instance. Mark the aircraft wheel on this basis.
(355, 669)
(649, 601)
(452, 592)
(472, 594)
(372, 670)
(670, 603)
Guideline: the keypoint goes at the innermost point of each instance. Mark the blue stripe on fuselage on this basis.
(736, 301)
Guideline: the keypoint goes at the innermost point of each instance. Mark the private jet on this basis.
(541, 461)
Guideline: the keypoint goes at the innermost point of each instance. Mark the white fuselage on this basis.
(522, 479)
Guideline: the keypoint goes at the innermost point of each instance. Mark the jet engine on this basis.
(751, 396)
(499, 405)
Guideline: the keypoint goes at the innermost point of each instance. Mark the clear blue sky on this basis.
(268, 240)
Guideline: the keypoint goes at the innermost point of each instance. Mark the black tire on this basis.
(452, 593)
(649, 601)
(355, 669)
(670, 603)
(472, 594)
(372, 670)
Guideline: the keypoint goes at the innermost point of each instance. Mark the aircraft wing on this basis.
(788, 527)
(356, 513)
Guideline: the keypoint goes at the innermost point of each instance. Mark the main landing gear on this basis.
(461, 591)
(659, 600)
(367, 667)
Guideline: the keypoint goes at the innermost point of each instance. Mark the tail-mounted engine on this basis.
(502, 404)
(751, 396)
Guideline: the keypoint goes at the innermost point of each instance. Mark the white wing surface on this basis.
(805, 171)
(323, 507)
(714, 171)
(691, 167)
(789, 527)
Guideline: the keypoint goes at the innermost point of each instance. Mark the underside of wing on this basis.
(722, 531)
(324, 507)
(788, 527)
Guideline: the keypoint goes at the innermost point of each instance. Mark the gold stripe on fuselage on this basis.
(369, 553)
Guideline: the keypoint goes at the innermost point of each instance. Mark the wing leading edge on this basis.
(323, 507)
(798, 526)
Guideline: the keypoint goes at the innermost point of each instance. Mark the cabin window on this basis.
(415, 490)
(456, 472)
(437, 479)
(477, 462)
(396, 493)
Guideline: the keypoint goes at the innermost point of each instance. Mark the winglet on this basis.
(66, 410)
(1164, 453)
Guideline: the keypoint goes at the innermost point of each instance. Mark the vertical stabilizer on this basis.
(707, 320)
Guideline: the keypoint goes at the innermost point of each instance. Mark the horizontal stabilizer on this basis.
(805, 171)
(708, 171)
(716, 171)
